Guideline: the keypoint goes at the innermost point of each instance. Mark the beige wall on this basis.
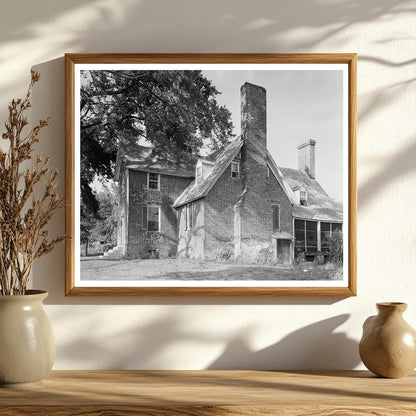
(196, 333)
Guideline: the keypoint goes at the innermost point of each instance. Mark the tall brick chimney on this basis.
(253, 118)
(306, 157)
(253, 212)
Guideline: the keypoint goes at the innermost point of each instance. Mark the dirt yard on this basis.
(93, 268)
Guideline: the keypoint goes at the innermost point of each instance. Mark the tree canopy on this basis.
(176, 111)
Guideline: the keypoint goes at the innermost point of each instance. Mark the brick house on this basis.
(147, 187)
(236, 203)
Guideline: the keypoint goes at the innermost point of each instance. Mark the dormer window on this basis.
(235, 169)
(153, 181)
(203, 169)
(303, 197)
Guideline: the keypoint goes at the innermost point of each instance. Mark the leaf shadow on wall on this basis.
(140, 26)
(141, 345)
(304, 348)
(398, 165)
(146, 346)
(254, 29)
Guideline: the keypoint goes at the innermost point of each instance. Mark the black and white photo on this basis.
(212, 175)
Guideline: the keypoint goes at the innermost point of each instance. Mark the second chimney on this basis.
(306, 157)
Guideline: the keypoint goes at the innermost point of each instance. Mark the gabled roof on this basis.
(320, 205)
(196, 191)
(138, 157)
(280, 178)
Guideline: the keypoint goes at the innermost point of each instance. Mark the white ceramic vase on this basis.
(27, 345)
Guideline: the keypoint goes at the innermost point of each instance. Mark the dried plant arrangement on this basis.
(28, 199)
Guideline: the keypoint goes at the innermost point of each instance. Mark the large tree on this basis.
(176, 111)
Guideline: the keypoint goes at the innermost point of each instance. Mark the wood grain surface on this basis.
(203, 393)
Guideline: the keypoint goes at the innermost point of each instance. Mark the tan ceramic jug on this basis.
(388, 345)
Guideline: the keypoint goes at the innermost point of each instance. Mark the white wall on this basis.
(194, 333)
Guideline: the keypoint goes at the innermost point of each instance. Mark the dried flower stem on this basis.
(23, 217)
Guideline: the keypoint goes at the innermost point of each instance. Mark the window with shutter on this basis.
(153, 218)
(150, 217)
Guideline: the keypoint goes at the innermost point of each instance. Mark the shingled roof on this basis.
(281, 179)
(198, 190)
(137, 157)
(320, 205)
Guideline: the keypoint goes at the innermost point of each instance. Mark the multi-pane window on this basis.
(150, 217)
(153, 180)
(328, 229)
(235, 169)
(276, 217)
(306, 235)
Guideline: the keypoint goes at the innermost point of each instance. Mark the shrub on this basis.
(224, 253)
(300, 258)
(265, 256)
(336, 244)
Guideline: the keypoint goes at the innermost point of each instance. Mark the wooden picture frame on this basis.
(314, 227)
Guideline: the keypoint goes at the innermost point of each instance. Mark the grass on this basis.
(93, 268)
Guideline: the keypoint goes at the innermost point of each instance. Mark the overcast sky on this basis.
(301, 105)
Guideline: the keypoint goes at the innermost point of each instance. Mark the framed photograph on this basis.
(211, 174)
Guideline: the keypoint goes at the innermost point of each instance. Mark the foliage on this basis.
(336, 244)
(109, 212)
(300, 258)
(176, 111)
(87, 224)
(25, 210)
(224, 253)
(265, 256)
(102, 227)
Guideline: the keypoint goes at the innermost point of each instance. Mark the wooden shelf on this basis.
(211, 393)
